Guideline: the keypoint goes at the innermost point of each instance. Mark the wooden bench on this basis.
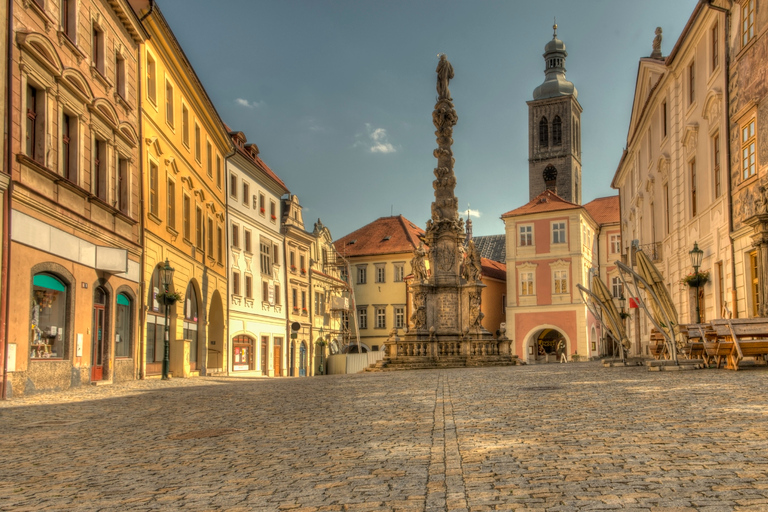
(697, 335)
(748, 337)
(658, 345)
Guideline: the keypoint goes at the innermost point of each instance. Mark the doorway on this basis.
(99, 335)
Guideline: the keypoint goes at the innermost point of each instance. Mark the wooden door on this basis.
(97, 352)
(278, 355)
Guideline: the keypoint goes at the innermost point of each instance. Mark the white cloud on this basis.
(375, 139)
(249, 104)
(311, 124)
(469, 212)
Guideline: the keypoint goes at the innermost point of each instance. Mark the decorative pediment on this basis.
(199, 193)
(76, 82)
(691, 137)
(527, 266)
(220, 216)
(649, 183)
(713, 106)
(42, 49)
(252, 149)
(128, 133)
(105, 111)
(188, 182)
(560, 265)
(663, 166)
(171, 162)
(211, 206)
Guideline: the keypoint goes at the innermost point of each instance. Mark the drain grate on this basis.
(542, 388)
(54, 423)
(202, 434)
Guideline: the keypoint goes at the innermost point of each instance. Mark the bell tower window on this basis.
(543, 132)
(557, 131)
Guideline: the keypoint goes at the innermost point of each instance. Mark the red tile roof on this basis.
(605, 210)
(494, 269)
(547, 201)
(386, 235)
(235, 136)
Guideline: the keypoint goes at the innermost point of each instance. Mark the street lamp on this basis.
(166, 276)
(321, 343)
(696, 255)
(622, 302)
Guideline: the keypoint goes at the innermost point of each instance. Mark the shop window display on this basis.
(242, 347)
(48, 318)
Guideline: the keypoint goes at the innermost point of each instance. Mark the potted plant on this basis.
(274, 217)
(261, 210)
(303, 271)
(623, 315)
(696, 279)
(304, 310)
(293, 268)
(168, 298)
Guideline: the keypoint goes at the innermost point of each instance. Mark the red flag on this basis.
(634, 303)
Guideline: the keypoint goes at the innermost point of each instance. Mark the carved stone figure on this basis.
(761, 204)
(444, 75)
(472, 266)
(656, 53)
(418, 266)
(419, 316)
(475, 315)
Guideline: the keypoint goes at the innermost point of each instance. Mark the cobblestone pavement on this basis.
(551, 437)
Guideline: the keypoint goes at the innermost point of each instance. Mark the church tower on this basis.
(554, 130)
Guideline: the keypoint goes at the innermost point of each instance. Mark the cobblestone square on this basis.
(551, 437)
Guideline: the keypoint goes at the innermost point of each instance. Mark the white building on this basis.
(257, 318)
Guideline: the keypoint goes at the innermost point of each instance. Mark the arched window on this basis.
(190, 324)
(557, 131)
(242, 352)
(48, 318)
(543, 133)
(123, 331)
(155, 326)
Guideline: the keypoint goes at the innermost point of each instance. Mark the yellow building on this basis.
(184, 147)
(379, 256)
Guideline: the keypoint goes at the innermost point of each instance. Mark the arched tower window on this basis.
(543, 132)
(557, 131)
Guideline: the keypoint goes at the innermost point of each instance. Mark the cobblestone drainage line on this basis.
(54, 423)
(202, 434)
(542, 388)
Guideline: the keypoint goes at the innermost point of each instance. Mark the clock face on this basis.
(550, 174)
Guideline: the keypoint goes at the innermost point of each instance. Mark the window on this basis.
(123, 335)
(246, 193)
(343, 274)
(380, 273)
(69, 147)
(747, 22)
(235, 283)
(247, 239)
(558, 232)
(362, 318)
(277, 294)
(35, 124)
(691, 82)
(249, 286)
(218, 171)
(219, 244)
(319, 303)
(666, 208)
(120, 76)
(755, 289)
(123, 185)
(210, 237)
(185, 125)
(265, 291)
(209, 154)
(692, 167)
(48, 319)
(617, 287)
(716, 164)
(266, 258)
(171, 204)
(276, 255)
(295, 298)
(235, 236)
(301, 264)
(100, 169)
(664, 118)
(304, 300)
(381, 317)
(97, 49)
(526, 283)
(748, 143)
(151, 79)
(399, 317)
(153, 189)
(199, 228)
(169, 103)
(615, 242)
(198, 144)
(557, 131)
(69, 18)
(526, 235)
(362, 275)
(561, 281)
(233, 186)
(715, 46)
(292, 260)
(272, 210)
(543, 132)
(186, 207)
(399, 272)
(262, 203)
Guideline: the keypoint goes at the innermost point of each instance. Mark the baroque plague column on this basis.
(446, 315)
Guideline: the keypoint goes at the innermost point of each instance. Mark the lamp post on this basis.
(166, 275)
(321, 343)
(696, 255)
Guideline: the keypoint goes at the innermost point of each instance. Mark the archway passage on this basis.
(215, 340)
(543, 346)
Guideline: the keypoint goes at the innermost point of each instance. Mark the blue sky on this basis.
(338, 95)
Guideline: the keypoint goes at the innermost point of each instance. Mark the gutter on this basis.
(142, 238)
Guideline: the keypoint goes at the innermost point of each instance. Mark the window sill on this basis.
(99, 76)
(122, 101)
(188, 241)
(154, 218)
(65, 40)
(746, 47)
(171, 231)
(746, 183)
(40, 11)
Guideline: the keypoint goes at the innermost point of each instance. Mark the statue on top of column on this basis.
(444, 75)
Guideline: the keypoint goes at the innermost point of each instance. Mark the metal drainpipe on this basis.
(4, 307)
(225, 251)
(142, 240)
(727, 64)
(151, 8)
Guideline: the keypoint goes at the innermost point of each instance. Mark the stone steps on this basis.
(418, 363)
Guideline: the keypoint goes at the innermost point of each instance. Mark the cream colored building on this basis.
(673, 177)
(257, 279)
(379, 257)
